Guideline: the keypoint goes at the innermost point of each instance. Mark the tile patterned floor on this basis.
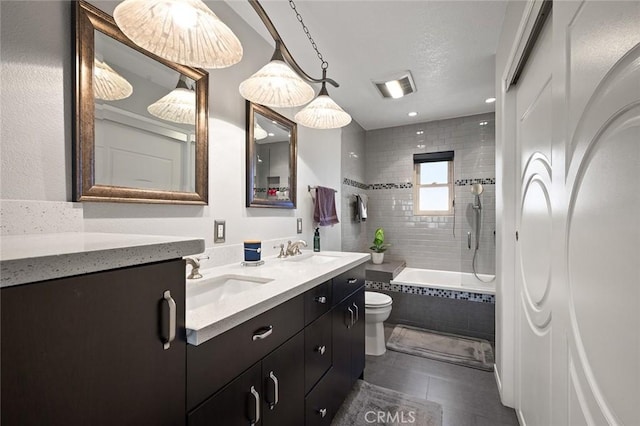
(469, 397)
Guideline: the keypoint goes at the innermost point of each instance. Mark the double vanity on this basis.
(101, 329)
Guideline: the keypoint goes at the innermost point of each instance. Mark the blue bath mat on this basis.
(461, 350)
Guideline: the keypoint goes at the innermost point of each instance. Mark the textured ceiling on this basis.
(449, 47)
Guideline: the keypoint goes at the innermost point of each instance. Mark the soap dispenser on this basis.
(316, 240)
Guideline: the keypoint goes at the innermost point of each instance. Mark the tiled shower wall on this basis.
(354, 234)
(425, 241)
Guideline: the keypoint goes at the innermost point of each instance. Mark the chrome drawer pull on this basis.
(172, 319)
(321, 299)
(256, 397)
(274, 379)
(321, 349)
(357, 312)
(323, 412)
(259, 334)
(352, 280)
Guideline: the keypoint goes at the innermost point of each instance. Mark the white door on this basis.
(578, 217)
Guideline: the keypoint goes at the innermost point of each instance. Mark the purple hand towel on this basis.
(324, 211)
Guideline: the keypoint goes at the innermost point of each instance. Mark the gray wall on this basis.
(424, 241)
(354, 234)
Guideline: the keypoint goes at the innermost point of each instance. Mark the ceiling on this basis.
(449, 47)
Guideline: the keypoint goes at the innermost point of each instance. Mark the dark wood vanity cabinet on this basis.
(89, 350)
(299, 375)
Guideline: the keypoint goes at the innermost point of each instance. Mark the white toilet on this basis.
(377, 308)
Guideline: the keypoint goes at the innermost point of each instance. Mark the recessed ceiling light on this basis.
(490, 100)
(271, 134)
(412, 114)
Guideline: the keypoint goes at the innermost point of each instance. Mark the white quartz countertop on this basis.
(38, 257)
(207, 317)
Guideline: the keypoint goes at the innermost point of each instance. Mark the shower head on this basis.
(477, 189)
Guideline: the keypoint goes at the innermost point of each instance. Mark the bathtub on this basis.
(445, 280)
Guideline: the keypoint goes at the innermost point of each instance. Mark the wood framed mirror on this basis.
(132, 143)
(272, 152)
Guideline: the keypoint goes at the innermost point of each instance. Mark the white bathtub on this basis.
(447, 280)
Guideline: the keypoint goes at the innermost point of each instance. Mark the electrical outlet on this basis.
(219, 231)
(299, 225)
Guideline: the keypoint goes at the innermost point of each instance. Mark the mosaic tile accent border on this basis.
(436, 292)
(281, 188)
(484, 181)
(355, 183)
(403, 185)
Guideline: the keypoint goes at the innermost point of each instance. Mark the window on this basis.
(433, 183)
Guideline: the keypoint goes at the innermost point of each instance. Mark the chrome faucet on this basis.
(195, 266)
(282, 253)
(293, 249)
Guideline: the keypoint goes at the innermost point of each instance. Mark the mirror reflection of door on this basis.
(271, 178)
(136, 145)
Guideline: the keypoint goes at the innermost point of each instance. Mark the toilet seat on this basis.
(376, 300)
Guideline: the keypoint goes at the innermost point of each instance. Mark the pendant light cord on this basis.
(325, 64)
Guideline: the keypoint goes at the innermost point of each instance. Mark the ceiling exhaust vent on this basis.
(397, 86)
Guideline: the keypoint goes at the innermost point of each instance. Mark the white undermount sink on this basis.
(216, 289)
(312, 258)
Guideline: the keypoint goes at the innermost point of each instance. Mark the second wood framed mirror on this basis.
(272, 152)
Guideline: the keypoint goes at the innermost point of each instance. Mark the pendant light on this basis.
(323, 112)
(182, 31)
(276, 85)
(179, 106)
(258, 132)
(108, 85)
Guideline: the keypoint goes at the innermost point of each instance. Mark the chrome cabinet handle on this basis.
(352, 280)
(321, 349)
(274, 380)
(469, 240)
(256, 397)
(323, 412)
(350, 313)
(357, 312)
(172, 320)
(260, 334)
(321, 299)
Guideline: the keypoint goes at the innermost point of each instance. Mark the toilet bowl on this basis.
(377, 308)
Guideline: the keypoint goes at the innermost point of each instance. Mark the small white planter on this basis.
(377, 258)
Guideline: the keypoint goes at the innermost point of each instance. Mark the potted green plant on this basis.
(378, 247)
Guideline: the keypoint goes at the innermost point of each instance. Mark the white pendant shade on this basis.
(323, 113)
(179, 106)
(108, 85)
(258, 132)
(182, 31)
(276, 85)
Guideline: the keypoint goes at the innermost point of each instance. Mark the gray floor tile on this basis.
(402, 380)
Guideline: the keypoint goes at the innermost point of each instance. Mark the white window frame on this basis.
(417, 186)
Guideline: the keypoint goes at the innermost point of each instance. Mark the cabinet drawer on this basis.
(216, 362)
(346, 283)
(321, 404)
(318, 348)
(317, 301)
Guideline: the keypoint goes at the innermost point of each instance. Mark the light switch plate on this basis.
(219, 231)
(299, 225)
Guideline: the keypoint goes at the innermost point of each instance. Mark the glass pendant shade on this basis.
(108, 85)
(182, 31)
(276, 85)
(322, 113)
(179, 106)
(258, 132)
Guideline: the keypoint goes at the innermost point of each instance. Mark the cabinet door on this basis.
(237, 404)
(342, 318)
(283, 384)
(357, 335)
(87, 350)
